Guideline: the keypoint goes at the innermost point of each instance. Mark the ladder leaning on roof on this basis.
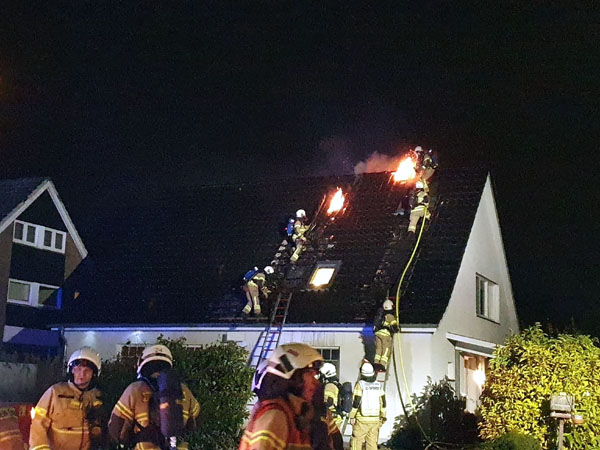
(269, 338)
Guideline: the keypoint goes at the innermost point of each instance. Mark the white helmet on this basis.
(328, 370)
(259, 375)
(366, 370)
(87, 354)
(418, 149)
(300, 214)
(388, 305)
(288, 358)
(269, 270)
(155, 352)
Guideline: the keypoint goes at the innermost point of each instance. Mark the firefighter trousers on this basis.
(365, 432)
(416, 213)
(383, 349)
(253, 299)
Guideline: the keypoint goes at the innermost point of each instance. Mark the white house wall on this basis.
(484, 255)
(414, 362)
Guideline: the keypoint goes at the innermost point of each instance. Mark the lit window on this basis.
(32, 294)
(323, 274)
(487, 298)
(39, 236)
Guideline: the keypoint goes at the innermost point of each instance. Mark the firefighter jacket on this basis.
(10, 434)
(259, 280)
(274, 425)
(332, 397)
(419, 198)
(369, 402)
(134, 418)
(387, 325)
(300, 229)
(67, 418)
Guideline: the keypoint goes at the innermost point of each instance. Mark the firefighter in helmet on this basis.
(328, 376)
(290, 412)
(256, 285)
(419, 202)
(70, 414)
(368, 410)
(156, 408)
(385, 325)
(298, 237)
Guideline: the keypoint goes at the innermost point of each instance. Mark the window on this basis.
(323, 274)
(332, 355)
(487, 298)
(39, 236)
(32, 294)
(131, 353)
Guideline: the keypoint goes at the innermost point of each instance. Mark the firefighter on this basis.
(368, 410)
(10, 434)
(385, 325)
(256, 284)
(290, 412)
(141, 416)
(298, 237)
(328, 376)
(70, 414)
(419, 202)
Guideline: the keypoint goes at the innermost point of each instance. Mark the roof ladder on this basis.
(269, 337)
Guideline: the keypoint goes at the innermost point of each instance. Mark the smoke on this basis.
(378, 162)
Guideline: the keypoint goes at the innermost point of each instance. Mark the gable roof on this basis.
(18, 194)
(178, 256)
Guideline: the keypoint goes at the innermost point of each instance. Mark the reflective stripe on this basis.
(263, 435)
(124, 410)
(40, 447)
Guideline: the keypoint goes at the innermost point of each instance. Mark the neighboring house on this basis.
(171, 263)
(39, 249)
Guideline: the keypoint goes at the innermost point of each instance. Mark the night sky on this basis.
(104, 94)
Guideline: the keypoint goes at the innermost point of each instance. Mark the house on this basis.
(39, 249)
(171, 263)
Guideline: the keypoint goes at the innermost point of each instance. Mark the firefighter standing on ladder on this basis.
(298, 237)
(368, 410)
(256, 284)
(385, 326)
(69, 414)
(419, 202)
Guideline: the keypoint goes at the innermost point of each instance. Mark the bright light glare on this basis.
(337, 201)
(322, 276)
(479, 377)
(406, 170)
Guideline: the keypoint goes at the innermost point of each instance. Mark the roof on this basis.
(14, 193)
(178, 256)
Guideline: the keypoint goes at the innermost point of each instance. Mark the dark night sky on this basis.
(95, 94)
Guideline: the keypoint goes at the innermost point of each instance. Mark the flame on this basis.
(337, 202)
(406, 170)
(32, 413)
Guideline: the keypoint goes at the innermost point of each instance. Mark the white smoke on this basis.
(378, 162)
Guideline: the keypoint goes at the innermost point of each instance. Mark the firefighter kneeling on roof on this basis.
(290, 413)
(256, 284)
(368, 410)
(157, 410)
(69, 414)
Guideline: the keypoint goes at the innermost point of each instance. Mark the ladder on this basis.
(268, 339)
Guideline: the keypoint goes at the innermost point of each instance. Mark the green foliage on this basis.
(217, 376)
(527, 371)
(440, 414)
(514, 441)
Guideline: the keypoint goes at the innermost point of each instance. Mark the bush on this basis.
(513, 441)
(440, 414)
(526, 371)
(217, 376)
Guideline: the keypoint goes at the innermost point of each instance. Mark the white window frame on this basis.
(34, 293)
(40, 232)
(335, 265)
(335, 362)
(487, 307)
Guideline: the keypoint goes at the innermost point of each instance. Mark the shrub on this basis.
(217, 376)
(513, 440)
(526, 371)
(440, 414)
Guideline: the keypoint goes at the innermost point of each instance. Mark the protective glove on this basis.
(352, 421)
(383, 419)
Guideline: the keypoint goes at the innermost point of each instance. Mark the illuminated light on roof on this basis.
(322, 276)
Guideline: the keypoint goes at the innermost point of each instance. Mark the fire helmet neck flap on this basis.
(288, 358)
(155, 352)
(85, 354)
